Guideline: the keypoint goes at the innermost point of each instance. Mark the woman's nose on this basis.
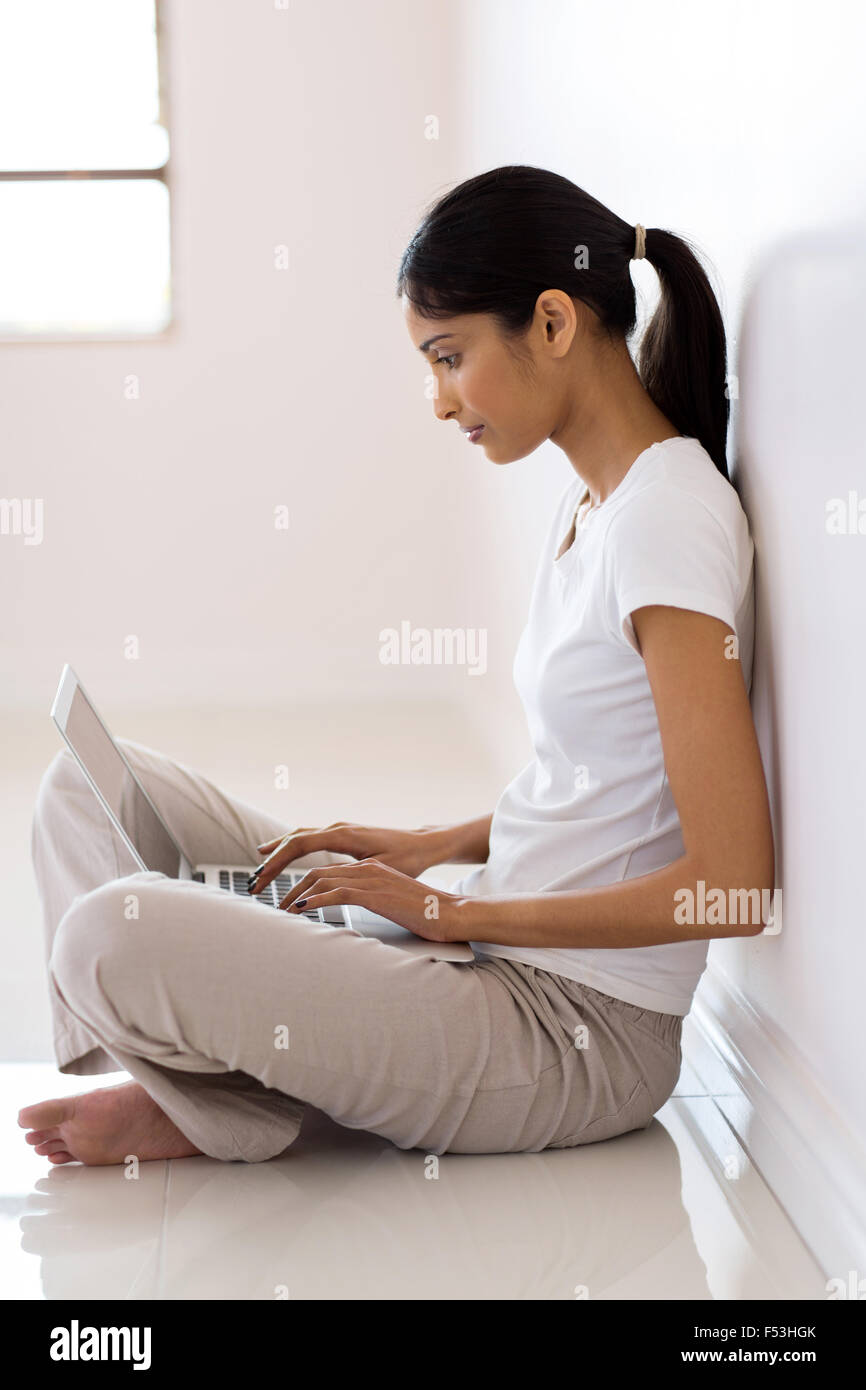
(442, 409)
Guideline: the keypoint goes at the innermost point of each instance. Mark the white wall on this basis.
(801, 447)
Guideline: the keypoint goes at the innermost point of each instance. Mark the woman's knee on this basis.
(96, 934)
(61, 780)
(62, 773)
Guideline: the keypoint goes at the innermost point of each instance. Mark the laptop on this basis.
(151, 844)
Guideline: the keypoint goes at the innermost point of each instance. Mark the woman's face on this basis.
(480, 382)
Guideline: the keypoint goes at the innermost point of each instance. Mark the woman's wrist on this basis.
(439, 842)
(460, 917)
(457, 844)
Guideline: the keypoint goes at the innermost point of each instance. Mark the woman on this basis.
(644, 802)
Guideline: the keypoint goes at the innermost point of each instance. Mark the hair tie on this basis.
(639, 242)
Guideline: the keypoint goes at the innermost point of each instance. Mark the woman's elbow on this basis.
(739, 891)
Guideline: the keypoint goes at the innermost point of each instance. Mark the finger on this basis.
(319, 880)
(278, 840)
(328, 897)
(296, 845)
(272, 860)
(313, 878)
(300, 889)
(290, 846)
(345, 894)
(268, 845)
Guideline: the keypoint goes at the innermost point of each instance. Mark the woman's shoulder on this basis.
(681, 489)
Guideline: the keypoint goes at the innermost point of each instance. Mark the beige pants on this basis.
(233, 1017)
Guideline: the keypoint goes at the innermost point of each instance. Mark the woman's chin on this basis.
(500, 451)
(504, 454)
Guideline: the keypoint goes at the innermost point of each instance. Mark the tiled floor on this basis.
(345, 1215)
(672, 1212)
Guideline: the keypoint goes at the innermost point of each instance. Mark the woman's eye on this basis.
(450, 360)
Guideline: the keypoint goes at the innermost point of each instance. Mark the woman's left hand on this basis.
(428, 912)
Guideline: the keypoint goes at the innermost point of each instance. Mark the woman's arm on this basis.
(714, 768)
(465, 843)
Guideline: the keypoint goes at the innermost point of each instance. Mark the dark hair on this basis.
(495, 242)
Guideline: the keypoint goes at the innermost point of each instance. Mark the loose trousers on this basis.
(233, 1017)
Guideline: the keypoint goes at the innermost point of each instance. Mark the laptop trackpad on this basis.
(373, 924)
(392, 934)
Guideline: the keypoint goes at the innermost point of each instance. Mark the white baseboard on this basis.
(798, 1142)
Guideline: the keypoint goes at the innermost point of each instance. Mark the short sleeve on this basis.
(666, 546)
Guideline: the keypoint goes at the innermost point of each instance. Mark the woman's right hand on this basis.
(409, 851)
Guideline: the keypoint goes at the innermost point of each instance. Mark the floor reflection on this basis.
(344, 1215)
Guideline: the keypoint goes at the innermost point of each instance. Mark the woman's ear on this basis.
(560, 320)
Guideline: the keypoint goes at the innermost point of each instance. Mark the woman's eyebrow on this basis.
(430, 341)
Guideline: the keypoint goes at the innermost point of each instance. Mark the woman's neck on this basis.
(615, 421)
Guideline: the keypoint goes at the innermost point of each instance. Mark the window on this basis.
(84, 197)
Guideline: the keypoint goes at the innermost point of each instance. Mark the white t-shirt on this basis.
(594, 805)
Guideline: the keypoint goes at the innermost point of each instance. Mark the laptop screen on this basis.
(109, 771)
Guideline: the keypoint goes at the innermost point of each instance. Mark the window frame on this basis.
(163, 174)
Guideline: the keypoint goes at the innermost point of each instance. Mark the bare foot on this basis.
(104, 1127)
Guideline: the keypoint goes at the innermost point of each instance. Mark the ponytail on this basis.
(682, 359)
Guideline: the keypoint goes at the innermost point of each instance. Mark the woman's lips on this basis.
(474, 435)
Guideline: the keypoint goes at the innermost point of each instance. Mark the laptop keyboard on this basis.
(235, 881)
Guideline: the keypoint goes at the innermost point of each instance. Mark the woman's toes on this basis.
(41, 1136)
(51, 1146)
(46, 1114)
(60, 1157)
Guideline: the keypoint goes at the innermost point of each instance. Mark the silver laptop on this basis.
(152, 846)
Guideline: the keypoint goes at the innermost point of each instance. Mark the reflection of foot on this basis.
(105, 1126)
